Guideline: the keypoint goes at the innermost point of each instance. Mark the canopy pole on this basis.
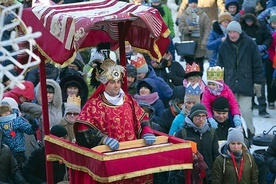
(45, 115)
(123, 28)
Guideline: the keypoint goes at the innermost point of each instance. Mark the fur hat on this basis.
(59, 131)
(235, 135)
(225, 16)
(221, 104)
(192, 70)
(192, 93)
(140, 63)
(234, 26)
(197, 109)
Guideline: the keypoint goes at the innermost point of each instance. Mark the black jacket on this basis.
(242, 65)
(270, 156)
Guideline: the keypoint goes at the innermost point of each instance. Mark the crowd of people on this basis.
(88, 107)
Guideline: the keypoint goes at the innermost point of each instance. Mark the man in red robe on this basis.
(111, 116)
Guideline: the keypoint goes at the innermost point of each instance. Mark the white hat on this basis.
(12, 103)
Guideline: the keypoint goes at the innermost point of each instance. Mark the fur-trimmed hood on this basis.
(216, 28)
(57, 100)
(249, 16)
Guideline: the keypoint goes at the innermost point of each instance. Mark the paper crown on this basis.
(215, 73)
(192, 93)
(74, 100)
(109, 70)
(192, 70)
(138, 60)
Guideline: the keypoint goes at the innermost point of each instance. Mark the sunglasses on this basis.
(72, 113)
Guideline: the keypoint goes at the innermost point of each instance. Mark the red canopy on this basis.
(68, 28)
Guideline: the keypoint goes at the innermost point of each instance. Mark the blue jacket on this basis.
(162, 88)
(214, 42)
(177, 123)
(17, 126)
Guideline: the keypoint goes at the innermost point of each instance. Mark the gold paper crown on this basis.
(138, 60)
(215, 73)
(109, 70)
(75, 100)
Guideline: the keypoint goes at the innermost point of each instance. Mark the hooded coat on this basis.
(55, 107)
(224, 172)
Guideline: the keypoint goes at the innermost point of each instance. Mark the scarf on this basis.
(205, 127)
(149, 99)
(7, 118)
(217, 92)
(223, 29)
(115, 100)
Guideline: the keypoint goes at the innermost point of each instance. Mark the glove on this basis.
(113, 144)
(237, 120)
(257, 90)
(149, 138)
(213, 123)
(261, 48)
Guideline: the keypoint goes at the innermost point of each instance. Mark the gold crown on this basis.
(73, 99)
(109, 70)
(215, 73)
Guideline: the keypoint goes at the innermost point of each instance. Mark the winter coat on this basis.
(177, 123)
(13, 129)
(16, 92)
(9, 171)
(55, 107)
(204, 28)
(166, 119)
(151, 99)
(167, 18)
(162, 88)
(210, 7)
(51, 71)
(270, 156)
(214, 42)
(243, 68)
(208, 98)
(224, 172)
(207, 144)
(258, 30)
(35, 169)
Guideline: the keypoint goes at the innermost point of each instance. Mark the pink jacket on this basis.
(208, 99)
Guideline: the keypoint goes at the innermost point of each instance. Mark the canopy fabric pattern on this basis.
(71, 27)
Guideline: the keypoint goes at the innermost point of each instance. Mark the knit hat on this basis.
(235, 135)
(192, 1)
(144, 84)
(50, 89)
(234, 26)
(192, 93)
(5, 108)
(140, 63)
(272, 18)
(197, 109)
(131, 70)
(221, 104)
(215, 74)
(11, 102)
(225, 16)
(73, 104)
(192, 70)
(58, 130)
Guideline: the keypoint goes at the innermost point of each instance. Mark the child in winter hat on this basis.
(217, 88)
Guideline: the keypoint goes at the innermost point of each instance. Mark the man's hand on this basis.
(237, 120)
(257, 90)
(149, 138)
(113, 144)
